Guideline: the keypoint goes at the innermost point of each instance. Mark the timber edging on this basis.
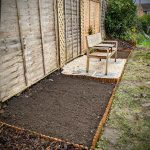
(42, 136)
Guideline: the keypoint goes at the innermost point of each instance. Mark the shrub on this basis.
(145, 23)
(120, 18)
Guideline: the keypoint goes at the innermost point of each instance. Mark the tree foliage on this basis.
(145, 23)
(120, 17)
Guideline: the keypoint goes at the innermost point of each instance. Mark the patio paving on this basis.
(97, 68)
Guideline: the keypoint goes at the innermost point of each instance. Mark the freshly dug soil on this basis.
(62, 107)
(124, 49)
(123, 54)
(123, 45)
(12, 139)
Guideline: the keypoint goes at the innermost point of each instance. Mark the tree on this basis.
(120, 17)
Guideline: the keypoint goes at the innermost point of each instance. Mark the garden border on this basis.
(102, 121)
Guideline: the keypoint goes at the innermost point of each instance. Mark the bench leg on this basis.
(106, 71)
(100, 59)
(116, 56)
(87, 65)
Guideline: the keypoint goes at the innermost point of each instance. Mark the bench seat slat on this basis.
(101, 55)
(104, 45)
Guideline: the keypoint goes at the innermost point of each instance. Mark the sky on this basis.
(144, 1)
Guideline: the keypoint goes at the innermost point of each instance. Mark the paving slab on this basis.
(97, 68)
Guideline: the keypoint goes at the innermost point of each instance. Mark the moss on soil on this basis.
(130, 114)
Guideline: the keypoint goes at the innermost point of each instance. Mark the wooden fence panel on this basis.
(102, 16)
(30, 28)
(86, 22)
(12, 77)
(28, 44)
(72, 28)
(96, 17)
(91, 19)
(47, 15)
(68, 29)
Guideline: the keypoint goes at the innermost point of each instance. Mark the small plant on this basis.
(90, 30)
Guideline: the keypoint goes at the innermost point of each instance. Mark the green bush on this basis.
(145, 22)
(120, 18)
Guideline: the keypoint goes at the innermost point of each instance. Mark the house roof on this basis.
(145, 7)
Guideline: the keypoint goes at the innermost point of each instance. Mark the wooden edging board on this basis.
(100, 126)
(42, 136)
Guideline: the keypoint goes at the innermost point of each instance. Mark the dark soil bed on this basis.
(123, 54)
(12, 139)
(62, 107)
(124, 48)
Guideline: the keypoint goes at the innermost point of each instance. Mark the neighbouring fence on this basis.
(38, 37)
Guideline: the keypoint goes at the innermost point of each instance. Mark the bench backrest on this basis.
(93, 40)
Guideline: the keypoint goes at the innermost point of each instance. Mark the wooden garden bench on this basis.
(100, 49)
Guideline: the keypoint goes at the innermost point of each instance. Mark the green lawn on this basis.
(145, 43)
(128, 126)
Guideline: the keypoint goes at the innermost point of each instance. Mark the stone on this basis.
(146, 105)
(4, 105)
(51, 80)
(143, 95)
(111, 135)
(2, 111)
